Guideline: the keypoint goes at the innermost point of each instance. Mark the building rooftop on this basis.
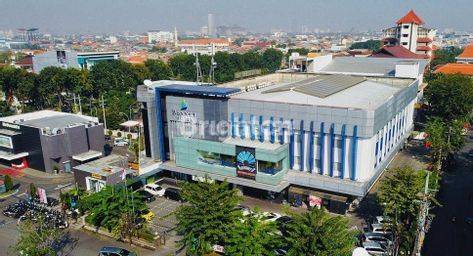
(467, 52)
(369, 66)
(410, 17)
(106, 165)
(49, 118)
(397, 51)
(348, 92)
(456, 68)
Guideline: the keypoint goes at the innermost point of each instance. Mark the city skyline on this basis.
(106, 16)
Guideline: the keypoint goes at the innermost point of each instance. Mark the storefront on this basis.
(313, 198)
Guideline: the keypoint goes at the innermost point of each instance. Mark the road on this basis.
(448, 237)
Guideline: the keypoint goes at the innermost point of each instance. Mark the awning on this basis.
(10, 156)
(131, 123)
(324, 195)
(91, 154)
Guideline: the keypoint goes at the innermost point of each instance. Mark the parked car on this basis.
(154, 189)
(52, 201)
(376, 237)
(115, 251)
(375, 248)
(270, 216)
(245, 209)
(280, 252)
(145, 214)
(146, 196)
(173, 194)
(120, 142)
(380, 228)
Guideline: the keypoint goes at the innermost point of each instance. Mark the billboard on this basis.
(5, 142)
(245, 162)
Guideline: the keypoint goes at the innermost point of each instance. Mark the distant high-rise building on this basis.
(211, 25)
(156, 36)
(410, 33)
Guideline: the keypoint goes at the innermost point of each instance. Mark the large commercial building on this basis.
(48, 140)
(157, 36)
(204, 45)
(71, 59)
(411, 34)
(323, 136)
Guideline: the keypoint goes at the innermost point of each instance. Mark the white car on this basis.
(374, 248)
(270, 216)
(154, 189)
(120, 142)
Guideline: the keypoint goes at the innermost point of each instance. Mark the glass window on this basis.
(269, 167)
(216, 158)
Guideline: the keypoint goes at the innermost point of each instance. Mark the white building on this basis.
(204, 45)
(156, 36)
(410, 33)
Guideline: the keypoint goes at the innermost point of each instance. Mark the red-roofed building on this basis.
(456, 68)
(410, 33)
(410, 17)
(204, 45)
(397, 51)
(467, 55)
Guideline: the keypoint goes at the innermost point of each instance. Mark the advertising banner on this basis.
(245, 162)
(42, 195)
(5, 142)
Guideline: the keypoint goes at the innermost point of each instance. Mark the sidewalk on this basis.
(44, 175)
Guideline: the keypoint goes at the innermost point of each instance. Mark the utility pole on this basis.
(423, 212)
(213, 65)
(80, 106)
(199, 77)
(103, 112)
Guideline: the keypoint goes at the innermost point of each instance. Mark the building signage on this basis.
(245, 162)
(96, 176)
(12, 126)
(183, 116)
(6, 142)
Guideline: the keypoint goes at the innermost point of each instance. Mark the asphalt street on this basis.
(449, 233)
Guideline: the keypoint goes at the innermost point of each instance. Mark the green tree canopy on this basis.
(450, 97)
(208, 217)
(108, 206)
(373, 45)
(158, 70)
(399, 196)
(271, 59)
(38, 239)
(253, 237)
(319, 234)
(446, 55)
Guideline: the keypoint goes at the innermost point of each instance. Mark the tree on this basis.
(317, 233)
(271, 59)
(10, 80)
(33, 191)
(8, 183)
(446, 55)
(107, 207)
(443, 138)
(301, 51)
(208, 217)
(450, 97)
(253, 237)
(373, 45)
(38, 238)
(158, 70)
(399, 196)
(51, 84)
(5, 109)
(182, 66)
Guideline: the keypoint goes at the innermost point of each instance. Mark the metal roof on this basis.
(59, 121)
(201, 90)
(369, 66)
(321, 86)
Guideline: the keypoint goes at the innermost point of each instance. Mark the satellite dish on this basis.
(147, 82)
(360, 251)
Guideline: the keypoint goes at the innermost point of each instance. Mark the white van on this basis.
(154, 189)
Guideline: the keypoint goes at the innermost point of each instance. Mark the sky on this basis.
(113, 16)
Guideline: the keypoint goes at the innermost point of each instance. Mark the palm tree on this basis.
(317, 233)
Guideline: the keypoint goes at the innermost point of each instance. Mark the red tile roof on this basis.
(454, 68)
(397, 51)
(424, 40)
(467, 52)
(423, 48)
(410, 17)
